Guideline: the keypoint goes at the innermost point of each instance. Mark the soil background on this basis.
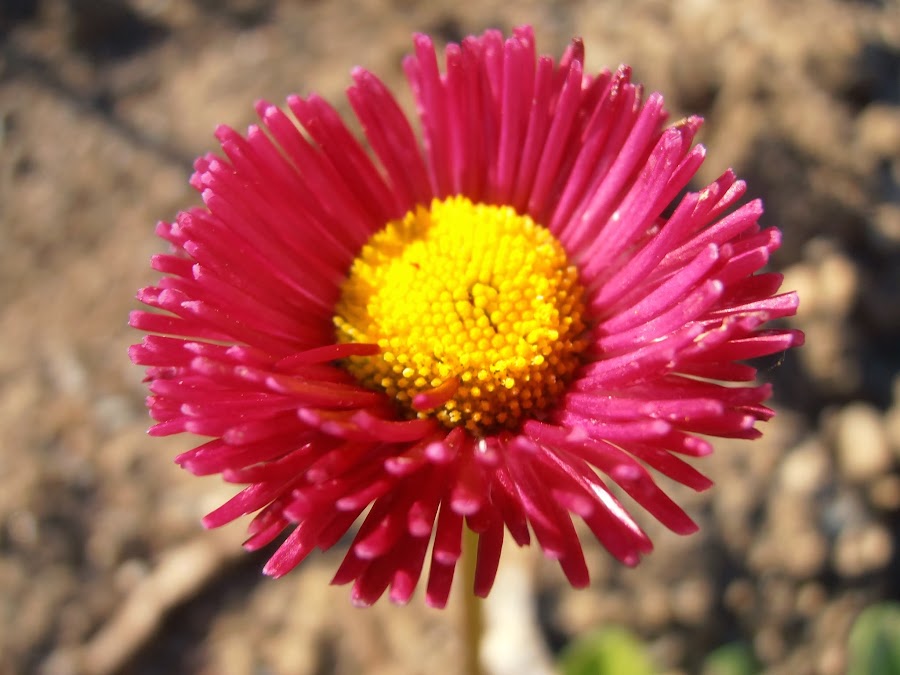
(104, 567)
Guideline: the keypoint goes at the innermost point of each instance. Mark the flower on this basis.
(475, 331)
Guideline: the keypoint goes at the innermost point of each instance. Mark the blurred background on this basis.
(104, 568)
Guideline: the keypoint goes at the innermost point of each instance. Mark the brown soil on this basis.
(103, 565)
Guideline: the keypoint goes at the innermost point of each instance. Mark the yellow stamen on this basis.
(477, 312)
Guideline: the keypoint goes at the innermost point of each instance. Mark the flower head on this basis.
(479, 330)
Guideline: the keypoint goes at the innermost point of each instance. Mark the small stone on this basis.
(667, 650)
(653, 607)
(828, 355)
(769, 644)
(779, 597)
(885, 224)
(878, 129)
(691, 601)
(23, 529)
(740, 596)
(827, 281)
(859, 551)
(839, 281)
(806, 555)
(884, 493)
(806, 469)
(875, 547)
(862, 447)
(832, 661)
(811, 597)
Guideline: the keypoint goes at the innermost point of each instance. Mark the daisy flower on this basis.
(481, 325)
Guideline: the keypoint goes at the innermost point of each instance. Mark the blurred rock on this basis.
(740, 596)
(769, 644)
(806, 469)
(811, 597)
(878, 130)
(692, 601)
(862, 550)
(861, 443)
(884, 493)
(885, 224)
(827, 281)
(652, 608)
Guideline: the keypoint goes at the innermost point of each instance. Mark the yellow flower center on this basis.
(476, 310)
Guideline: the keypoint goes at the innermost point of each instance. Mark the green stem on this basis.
(473, 623)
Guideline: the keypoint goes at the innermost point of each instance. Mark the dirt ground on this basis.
(104, 567)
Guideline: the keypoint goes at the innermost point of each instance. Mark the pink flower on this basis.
(475, 331)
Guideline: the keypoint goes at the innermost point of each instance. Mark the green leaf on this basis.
(735, 658)
(875, 641)
(609, 651)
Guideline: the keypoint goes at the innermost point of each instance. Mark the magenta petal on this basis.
(490, 544)
(448, 536)
(292, 552)
(407, 574)
(440, 578)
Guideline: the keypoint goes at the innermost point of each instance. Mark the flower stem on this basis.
(473, 624)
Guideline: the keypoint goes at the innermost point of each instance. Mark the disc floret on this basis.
(476, 310)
